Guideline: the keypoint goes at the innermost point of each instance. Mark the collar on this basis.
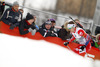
(3, 4)
(27, 22)
(14, 10)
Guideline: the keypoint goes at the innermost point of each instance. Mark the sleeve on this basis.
(41, 31)
(21, 29)
(4, 17)
(82, 33)
(37, 27)
(72, 39)
(54, 32)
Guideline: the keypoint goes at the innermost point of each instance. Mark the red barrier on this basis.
(5, 29)
(15, 32)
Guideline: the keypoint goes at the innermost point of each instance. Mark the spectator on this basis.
(89, 32)
(12, 16)
(97, 31)
(63, 33)
(46, 30)
(98, 38)
(97, 42)
(2, 7)
(27, 25)
(92, 38)
(22, 11)
(53, 23)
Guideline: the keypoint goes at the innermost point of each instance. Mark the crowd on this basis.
(72, 31)
(2, 6)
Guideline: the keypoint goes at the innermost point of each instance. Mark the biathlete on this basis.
(81, 36)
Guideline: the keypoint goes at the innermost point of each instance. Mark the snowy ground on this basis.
(23, 52)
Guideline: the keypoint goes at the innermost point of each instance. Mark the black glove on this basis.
(66, 43)
(12, 26)
(82, 47)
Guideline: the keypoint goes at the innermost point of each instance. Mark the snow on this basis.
(23, 52)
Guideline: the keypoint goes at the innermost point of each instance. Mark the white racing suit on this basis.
(83, 38)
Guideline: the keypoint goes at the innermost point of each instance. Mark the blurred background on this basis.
(87, 11)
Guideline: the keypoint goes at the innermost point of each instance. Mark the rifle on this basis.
(76, 22)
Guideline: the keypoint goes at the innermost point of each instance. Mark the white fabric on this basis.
(30, 29)
(79, 38)
(33, 32)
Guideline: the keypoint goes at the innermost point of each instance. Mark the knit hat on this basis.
(52, 20)
(29, 16)
(48, 22)
(15, 3)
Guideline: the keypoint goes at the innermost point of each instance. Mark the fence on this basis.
(42, 16)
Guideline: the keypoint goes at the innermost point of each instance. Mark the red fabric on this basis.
(88, 47)
(14, 10)
(4, 4)
(98, 43)
(82, 33)
(99, 38)
(27, 22)
(5, 29)
(72, 39)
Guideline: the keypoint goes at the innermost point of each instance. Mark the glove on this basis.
(30, 29)
(33, 32)
(12, 26)
(82, 47)
(37, 27)
(66, 43)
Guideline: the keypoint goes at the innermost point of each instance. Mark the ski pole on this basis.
(68, 47)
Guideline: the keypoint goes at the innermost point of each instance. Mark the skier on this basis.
(81, 36)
